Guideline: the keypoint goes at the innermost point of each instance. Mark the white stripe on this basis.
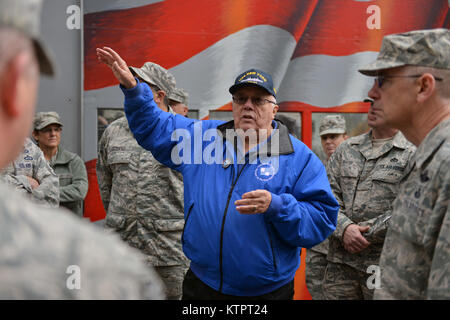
(327, 81)
(208, 75)
(91, 6)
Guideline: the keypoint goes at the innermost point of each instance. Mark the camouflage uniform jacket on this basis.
(143, 198)
(49, 254)
(365, 185)
(416, 254)
(73, 181)
(32, 163)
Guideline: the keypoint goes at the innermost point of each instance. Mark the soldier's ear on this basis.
(14, 84)
(427, 85)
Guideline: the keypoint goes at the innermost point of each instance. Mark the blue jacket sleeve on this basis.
(153, 128)
(308, 215)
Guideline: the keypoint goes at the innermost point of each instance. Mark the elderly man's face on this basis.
(393, 100)
(248, 115)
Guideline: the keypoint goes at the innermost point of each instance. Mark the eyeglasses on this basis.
(380, 79)
(256, 101)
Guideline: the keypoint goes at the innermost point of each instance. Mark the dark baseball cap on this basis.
(254, 77)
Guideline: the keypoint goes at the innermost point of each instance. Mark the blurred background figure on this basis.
(30, 174)
(70, 169)
(332, 132)
(45, 253)
(178, 101)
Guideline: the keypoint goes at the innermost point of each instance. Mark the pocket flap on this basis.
(169, 224)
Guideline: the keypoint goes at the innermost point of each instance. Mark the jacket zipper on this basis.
(272, 248)
(223, 225)
(185, 222)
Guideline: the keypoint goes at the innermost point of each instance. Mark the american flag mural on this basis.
(312, 48)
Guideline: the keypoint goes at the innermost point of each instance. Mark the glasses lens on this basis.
(379, 81)
(257, 101)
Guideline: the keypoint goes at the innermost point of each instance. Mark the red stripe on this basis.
(172, 31)
(339, 27)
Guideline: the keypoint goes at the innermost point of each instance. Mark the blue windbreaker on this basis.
(238, 254)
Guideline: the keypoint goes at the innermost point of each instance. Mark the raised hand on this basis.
(118, 66)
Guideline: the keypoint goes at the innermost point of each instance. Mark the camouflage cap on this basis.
(179, 95)
(155, 74)
(43, 119)
(25, 16)
(426, 48)
(332, 124)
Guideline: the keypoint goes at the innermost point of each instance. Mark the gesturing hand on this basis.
(118, 66)
(256, 201)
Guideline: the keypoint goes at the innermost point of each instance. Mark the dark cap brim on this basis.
(45, 62)
(238, 86)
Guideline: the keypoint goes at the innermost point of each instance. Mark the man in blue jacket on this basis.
(254, 195)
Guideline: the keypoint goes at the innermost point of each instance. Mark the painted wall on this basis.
(62, 93)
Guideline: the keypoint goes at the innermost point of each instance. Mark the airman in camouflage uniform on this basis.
(46, 253)
(364, 173)
(143, 198)
(416, 255)
(31, 163)
(68, 166)
(331, 127)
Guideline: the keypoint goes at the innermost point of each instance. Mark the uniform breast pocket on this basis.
(119, 161)
(349, 177)
(65, 179)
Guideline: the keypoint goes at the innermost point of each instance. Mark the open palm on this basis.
(118, 66)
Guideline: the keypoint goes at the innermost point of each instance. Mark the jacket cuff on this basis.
(275, 206)
(132, 92)
(340, 228)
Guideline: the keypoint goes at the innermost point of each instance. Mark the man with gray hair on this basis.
(47, 253)
(332, 133)
(142, 197)
(412, 89)
(243, 233)
(178, 100)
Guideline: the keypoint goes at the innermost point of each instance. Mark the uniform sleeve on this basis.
(79, 187)
(333, 171)
(438, 287)
(378, 227)
(307, 216)
(19, 182)
(104, 173)
(48, 190)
